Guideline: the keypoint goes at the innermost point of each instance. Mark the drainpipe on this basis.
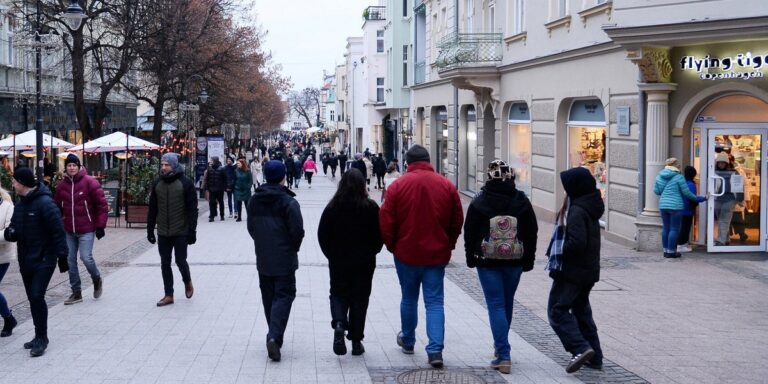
(641, 96)
(456, 101)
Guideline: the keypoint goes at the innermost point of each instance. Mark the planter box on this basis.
(136, 214)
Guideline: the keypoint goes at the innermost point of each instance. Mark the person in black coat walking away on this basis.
(500, 265)
(289, 166)
(215, 182)
(379, 169)
(569, 311)
(229, 170)
(173, 207)
(333, 162)
(342, 162)
(324, 158)
(359, 164)
(351, 258)
(37, 229)
(277, 229)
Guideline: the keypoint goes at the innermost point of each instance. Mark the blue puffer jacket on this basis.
(672, 188)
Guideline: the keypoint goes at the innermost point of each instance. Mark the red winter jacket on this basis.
(421, 217)
(82, 203)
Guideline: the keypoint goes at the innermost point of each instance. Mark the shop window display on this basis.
(519, 147)
(588, 149)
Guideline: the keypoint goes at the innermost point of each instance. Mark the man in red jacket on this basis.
(84, 212)
(420, 222)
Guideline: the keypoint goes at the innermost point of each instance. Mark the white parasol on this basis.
(27, 141)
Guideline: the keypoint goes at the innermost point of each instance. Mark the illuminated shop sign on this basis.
(742, 66)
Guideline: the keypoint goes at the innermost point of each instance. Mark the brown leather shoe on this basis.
(166, 300)
(189, 290)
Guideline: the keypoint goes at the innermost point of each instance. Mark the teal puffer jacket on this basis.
(672, 188)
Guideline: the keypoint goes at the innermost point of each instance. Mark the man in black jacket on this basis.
(569, 311)
(289, 166)
(277, 229)
(359, 164)
(333, 162)
(173, 207)
(215, 182)
(37, 229)
(342, 162)
(379, 169)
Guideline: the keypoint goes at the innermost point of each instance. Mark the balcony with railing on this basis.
(419, 72)
(469, 50)
(375, 12)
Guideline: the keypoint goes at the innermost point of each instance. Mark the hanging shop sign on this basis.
(744, 66)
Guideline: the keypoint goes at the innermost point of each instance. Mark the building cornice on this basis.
(431, 84)
(573, 54)
(690, 33)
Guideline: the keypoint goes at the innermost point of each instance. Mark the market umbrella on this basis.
(313, 129)
(114, 142)
(27, 141)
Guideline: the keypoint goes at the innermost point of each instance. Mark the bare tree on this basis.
(306, 103)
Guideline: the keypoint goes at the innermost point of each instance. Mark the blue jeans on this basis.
(83, 242)
(430, 280)
(499, 286)
(670, 228)
(4, 310)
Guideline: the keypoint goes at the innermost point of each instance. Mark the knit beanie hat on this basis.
(72, 158)
(672, 162)
(274, 171)
(25, 177)
(416, 153)
(171, 158)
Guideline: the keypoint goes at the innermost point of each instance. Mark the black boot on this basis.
(339, 345)
(39, 344)
(357, 348)
(8, 325)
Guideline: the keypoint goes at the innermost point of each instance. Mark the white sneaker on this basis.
(683, 248)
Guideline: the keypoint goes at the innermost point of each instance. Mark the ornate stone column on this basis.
(656, 71)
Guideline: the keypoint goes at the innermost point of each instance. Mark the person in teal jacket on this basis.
(670, 185)
(242, 187)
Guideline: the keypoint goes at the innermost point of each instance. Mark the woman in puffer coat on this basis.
(670, 185)
(242, 186)
(7, 252)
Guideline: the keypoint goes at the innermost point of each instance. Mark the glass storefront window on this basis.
(587, 148)
(519, 147)
(471, 149)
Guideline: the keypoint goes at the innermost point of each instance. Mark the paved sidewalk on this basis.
(699, 319)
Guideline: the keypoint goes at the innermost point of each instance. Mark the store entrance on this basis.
(732, 166)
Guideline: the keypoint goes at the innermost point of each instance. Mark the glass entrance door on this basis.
(736, 179)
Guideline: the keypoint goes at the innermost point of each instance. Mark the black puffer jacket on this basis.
(38, 230)
(581, 250)
(216, 180)
(176, 215)
(500, 198)
(357, 244)
(277, 229)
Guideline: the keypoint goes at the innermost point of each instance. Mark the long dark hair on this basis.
(351, 191)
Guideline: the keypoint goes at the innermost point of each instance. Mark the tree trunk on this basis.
(157, 128)
(78, 85)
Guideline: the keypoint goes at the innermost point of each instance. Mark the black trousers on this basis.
(35, 284)
(277, 295)
(308, 175)
(333, 171)
(215, 199)
(685, 230)
(380, 181)
(350, 291)
(570, 316)
(166, 246)
(289, 179)
(325, 168)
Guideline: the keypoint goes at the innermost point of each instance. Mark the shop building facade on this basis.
(593, 84)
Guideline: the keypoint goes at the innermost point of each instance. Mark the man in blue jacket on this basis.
(277, 229)
(37, 229)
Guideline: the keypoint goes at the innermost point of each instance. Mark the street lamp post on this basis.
(187, 108)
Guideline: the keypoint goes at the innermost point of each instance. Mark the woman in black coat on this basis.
(569, 311)
(351, 257)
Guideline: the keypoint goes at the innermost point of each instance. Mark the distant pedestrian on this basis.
(84, 211)
(229, 170)
(333, 162)
(368, 171)
(670, 185)
(420, 222)
(243, 183)
(342, 162)
(277, 229)
(298, 170)
(568, 309)
(173, 207)
(389, 178)
(256, 172)
(290, 167)
(689, 173)
(324, 160)
(359, 164)
(37, 229)
(310, 168)
(351, 258)
(379, 169)
(7, 254)
(215, 182)
(500, 236)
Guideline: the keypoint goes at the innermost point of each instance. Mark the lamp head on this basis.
(74, 15)
(203, 96)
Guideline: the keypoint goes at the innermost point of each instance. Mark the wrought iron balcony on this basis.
(375, 13)
(419, 72)
(461, 50)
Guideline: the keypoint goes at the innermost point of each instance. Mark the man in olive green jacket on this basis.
(173, 207)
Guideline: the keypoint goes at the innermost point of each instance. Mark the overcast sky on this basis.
(307, 36)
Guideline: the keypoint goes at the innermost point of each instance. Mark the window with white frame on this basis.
(379, 89)
(562, 8)
(332, 115)
(470, 9)
(405, 8)
(10, 44)
(380, 41)
(519, 17)
(405, 65)
(491, 17)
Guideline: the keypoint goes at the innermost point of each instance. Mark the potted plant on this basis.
(143, 173)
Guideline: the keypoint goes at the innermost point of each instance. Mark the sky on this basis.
(307, 36)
